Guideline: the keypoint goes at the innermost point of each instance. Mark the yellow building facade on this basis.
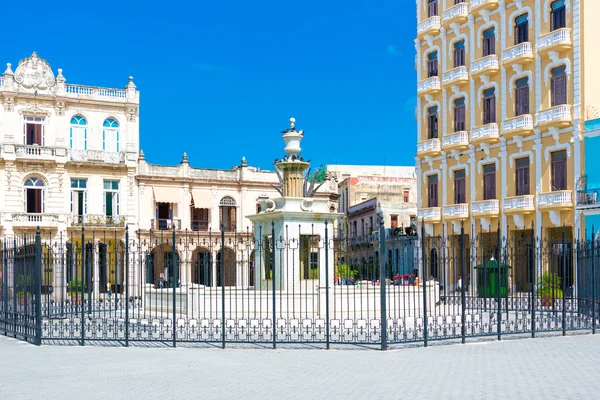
(504, 88)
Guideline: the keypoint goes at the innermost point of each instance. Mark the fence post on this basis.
(382, 284)
(38, 287)
(498, 282)
(464, 282)
(273, 280)
(4, 317)
(327, 285)
(564, 285)
(593, 282)
(15, 293)
(127, 286)
(424, 269)
(83, 279)
(174, 262)
(533, 269)
(222, 268)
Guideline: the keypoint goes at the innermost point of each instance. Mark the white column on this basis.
(538, 189)
(504, 177)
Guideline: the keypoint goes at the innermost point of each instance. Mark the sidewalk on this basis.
(543, 368)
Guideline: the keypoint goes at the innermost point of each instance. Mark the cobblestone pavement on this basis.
(542, 368)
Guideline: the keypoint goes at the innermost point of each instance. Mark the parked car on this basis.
(404, 280)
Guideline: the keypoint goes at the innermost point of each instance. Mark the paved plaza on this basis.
(543, 368)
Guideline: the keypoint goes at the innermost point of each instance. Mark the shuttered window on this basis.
(489, 182)
(432, 190)
(522, 176)
(432, 125)
(459, 54)
(559, 86)
(432, 8)
(432, 64)
(559, 170)
(558, 15)
(460, 189)
(459, 115)
(489, 106)
(489, 42)
(522, 97)
(521, 29)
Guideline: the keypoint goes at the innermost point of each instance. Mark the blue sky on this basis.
(219, 80)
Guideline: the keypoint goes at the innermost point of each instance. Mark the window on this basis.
(111, 199)
(521, 29)
(558, 15)
(489, 106)
(489, 182)
(522, 97)
(268, 257)
(394, 221)
(34, 131)
(432, 186)
(460, 190)
(559, 170)
(309, 256)
(432, 124)
(34, 195)
(200, 218)
(78, 133)
(522, 176)
(459, 54)
(406, 196)
(432, 64)
(79, 199)
(559, 86)
(355, 228)
(227, 214)
(110, 135)
(459, 115)
(489, 42)
(432, 9)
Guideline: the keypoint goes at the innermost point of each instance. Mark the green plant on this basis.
(549, 285)
(23, 282)
(345, 271)
(74, 287)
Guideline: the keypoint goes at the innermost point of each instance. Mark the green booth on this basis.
(487, 279)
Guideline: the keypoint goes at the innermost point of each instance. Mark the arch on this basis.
(548, 8)
(111, 265)
(517, 13)
(229, 266)
(555, 64)
(110, 135)
(520, 154)
(228, 201)
(159, 265)
(34, 182)
(488, 160)
(78, 133)
(458, 167)
(457, 96)
(34, 192)
(429, 51)
(428, 105)
(202, 267)
(517, 76)
(78, 120)
(455, 39)
(484, 87)
(485, 27)
(110, 123)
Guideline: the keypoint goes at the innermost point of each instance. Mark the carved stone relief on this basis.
(34, 73)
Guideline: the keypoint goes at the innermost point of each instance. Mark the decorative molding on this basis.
(34, 73)
(519, 11)
(488, 24)
(9, 104)
(556, 147)
(34, 110)
(59, 107)
(521, 154)
(486, 161)
(519, 73)
(555, 218)
(132, 114)
(455, 39)
(431, 49)
(484, 87)
(547, 8)
(556, 62)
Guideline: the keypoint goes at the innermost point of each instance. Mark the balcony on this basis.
(458, 13)
(457, 211)
(559, 116)
(165, 224)
(479, 5)
(519, 204)
(589, 198)
(456, 141)
(98, 220)
(485, 134)
(96, 156)
(431, 26)
(429, 147)
(429, 86)
(557, 40)
(486, 208)
(456, 76)
(430, 215)
(518, 126)
(96, 93)
(487, 65)
(560, 200)
(35, 152)
(33, 220)
(521, 53)
(199, 226)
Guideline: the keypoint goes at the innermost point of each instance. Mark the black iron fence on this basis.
(303, 285)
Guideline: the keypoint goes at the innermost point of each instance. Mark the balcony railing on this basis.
(1, 82)
(458, 139)
(429, 146)
(199, 225)
(519, 203)
(521, 50)
(433, 213)
(433, 23)
(458, 11)
(455, 75)
(559, 37)
(559, 115)
(485, 207)
(486, 132)
(165, 224)
(90, 91)
(456, 211)
(480, 3)
(484, 64)
(99, 156)
(99, 220)
(520, 123)
(588, 197)
(35, 151)
(559, 198)
(35, 219)
(429, 84)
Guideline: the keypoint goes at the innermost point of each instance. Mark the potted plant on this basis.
(549, 288)
(74, 291)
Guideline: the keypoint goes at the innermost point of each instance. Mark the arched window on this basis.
(110, 135)
(558, 15)
(432, 64)
(460, 113)
(34, 195)
(521, 29)
(559, 86)
(489, 106)
(78, 133)
(227, 213)
(432, 122)
(489, 41)
(459, 54)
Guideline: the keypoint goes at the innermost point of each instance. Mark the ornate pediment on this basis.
(34, 73)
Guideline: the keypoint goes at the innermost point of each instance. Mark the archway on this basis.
(159, 266)
(202, 269)
(230, 268)
(111, 265)
(434, 264)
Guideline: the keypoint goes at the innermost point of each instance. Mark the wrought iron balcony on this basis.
(519, 204)
(433, 214)
(457, 13)
(429, 147)
(35, 152)
(429, 85)
(456, 76)
(35, 219)
(557, 40)
(98, 156)
(523, 52)
(518, 126)
(486, 133)
(556, 200)
(431, 26)
(485, 208)
(456, 211)
(478, 5)
(589, 198)
(98, 220)
(165, 224)
(487, 65)
(458, 140)
(559, 116)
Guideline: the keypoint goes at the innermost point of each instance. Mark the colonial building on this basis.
(504, 88)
